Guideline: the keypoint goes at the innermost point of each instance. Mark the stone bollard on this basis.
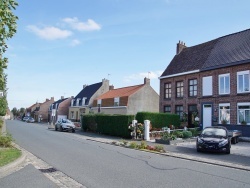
(146, 130)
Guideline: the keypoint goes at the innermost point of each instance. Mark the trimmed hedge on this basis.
(115, 125)
(158, 120)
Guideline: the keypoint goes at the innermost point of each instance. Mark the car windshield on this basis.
(214, 132)
(66, 121)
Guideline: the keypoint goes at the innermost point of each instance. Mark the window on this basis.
(72, 102)
(243, 115)
(99, 102)
(77, 101)
(192, 86)
(167, 109)
(224, 84)
(84, 101)
(207, 89)
(72, 114)
(167, 90)
(179, 89)
(179, 111)
(243, 82)
(224, 113)
(116, 101)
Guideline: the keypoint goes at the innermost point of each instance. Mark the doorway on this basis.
(207, 115)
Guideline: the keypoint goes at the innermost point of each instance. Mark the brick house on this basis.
(41, 111)
(128, 100)
(59, 109)
(212, 79)
(83, 101)
(30, 111)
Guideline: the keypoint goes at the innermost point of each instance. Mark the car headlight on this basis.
(223, 143)
(200, 141)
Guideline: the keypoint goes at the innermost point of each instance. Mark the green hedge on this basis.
(159, 120)
(115, 125)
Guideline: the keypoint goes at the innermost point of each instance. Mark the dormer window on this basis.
(116, 101)
(83, 101)
(77, 102)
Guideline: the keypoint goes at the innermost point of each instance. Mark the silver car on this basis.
(65, 125)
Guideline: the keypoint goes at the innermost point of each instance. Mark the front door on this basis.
(207, 115)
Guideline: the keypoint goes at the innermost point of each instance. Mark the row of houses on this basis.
(211, 79)
(100, 97)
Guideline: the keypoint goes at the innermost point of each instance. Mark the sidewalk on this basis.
(239, 157)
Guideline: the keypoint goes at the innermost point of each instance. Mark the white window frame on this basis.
(238, 84)
(72, 114)
(242, 104)
(223, 92)
(72, 102)
(99, 102)
(226, 114)
(207, 86)
(83, 101)
(77, 101)
(116, 101)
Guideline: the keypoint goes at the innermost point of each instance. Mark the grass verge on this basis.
(7, 155)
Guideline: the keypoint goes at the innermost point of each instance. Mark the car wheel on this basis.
(60, 129)
(73, 130)
(233, 140)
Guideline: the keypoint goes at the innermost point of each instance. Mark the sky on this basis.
(61, 45)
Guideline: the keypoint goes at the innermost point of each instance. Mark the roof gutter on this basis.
(179, 74)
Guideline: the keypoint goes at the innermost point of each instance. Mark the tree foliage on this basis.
(8, 27)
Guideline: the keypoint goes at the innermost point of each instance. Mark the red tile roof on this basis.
(121, 92)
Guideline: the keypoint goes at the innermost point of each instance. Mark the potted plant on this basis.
(243, 122)
(224, 122)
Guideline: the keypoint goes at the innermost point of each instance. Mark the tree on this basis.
(14, 111)
(7, 30)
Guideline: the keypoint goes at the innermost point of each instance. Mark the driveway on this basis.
(241, 148)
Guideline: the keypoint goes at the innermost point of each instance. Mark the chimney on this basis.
(111, 87)
(62, 97)
(47, 100)
(85, 85)
(72, 97)
(146, 81)
(180, 46)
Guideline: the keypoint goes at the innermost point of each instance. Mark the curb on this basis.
(11, 167)
(190, 158)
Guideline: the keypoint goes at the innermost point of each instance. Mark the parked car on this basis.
(65, 125)
(215, 138)
(30, 120)
(25, 118)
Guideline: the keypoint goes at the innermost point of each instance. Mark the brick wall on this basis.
(233, 98)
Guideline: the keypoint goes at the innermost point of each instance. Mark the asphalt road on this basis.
(97, 165)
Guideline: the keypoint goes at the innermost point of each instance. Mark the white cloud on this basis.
(90, 25)
(140, 76)
(49, 33)
(75, 42)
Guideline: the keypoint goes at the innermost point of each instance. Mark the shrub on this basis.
(187, 134)
(159, 148)
(5, 141)
(143, 145)
(158, 120)
(194, 131)
(133, 145)
(178, 134)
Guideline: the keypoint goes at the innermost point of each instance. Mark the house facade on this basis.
(41, 111)
(128, 100)
(212, 80)
(82, 103)
(59, 110)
